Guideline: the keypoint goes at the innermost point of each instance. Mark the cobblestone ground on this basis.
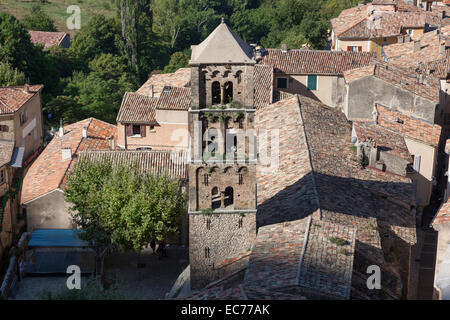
(150, 282)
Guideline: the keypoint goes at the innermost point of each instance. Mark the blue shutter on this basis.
(312, 82)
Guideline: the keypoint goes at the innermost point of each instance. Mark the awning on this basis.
(17, 157)
(56, 238)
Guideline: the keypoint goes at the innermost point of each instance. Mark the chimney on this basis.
(26, 88)
(407, 38)
(112, 142)
(66, 153)
(61, 128)
(284, 48)
(400, 39)
(151, 91)
(416, 46)
(84, 132)
(442, 47)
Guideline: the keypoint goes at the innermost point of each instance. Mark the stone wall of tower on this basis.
(203, 77)
(215, 238)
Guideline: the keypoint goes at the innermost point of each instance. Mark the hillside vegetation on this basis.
(122, 42)
(57, 9)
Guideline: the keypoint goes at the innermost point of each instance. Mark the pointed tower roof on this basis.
(222, 46)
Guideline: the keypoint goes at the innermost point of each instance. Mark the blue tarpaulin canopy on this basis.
(56, 238)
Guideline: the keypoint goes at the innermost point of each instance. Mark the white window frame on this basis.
(417, 162)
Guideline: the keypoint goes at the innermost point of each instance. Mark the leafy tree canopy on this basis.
(10, 76)
(39, 21)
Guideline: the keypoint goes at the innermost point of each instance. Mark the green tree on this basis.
(15, 45)
(123, 207)
(10, 76)
(178, 60)
(101, 35)
(39, 21)
(99, 93)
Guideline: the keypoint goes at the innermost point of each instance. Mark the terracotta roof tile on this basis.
(174, 163)
(372, 21)
(137, 108)
(174, 98)
(180, 78)
(48, 171)
(404, 55)
(389, 141)
(443, 215)
(48, 39)
(298, 61)
(408, 126)
(263, 76)
(399, 77)
(13, 98)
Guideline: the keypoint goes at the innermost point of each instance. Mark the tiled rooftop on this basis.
(13, 98)
(180, 78)
(443, 215)
(137, 108)
(174, 98)
(6, 152)
(408, 126)
(263, 75)
(388, 141)
(371, 21)
(298, 61)
(398, 77)
(173, 163)
(48, 39)
(404, 55)
(48, 172)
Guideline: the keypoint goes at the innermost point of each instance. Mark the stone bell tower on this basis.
(222, 169)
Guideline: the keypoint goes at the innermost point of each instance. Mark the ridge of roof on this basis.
(222, 46)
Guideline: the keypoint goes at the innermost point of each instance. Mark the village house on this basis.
(373, 26)
(403, 114)
(50, 39)
(21, 118)
(317, 74)
(155, 117)
(42, 196)
(319, 211)
(9, 193)
(432, 5)
(154, 123)
(441, 223)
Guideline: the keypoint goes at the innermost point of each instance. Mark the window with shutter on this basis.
(312, 82)
(129, 130)
(143, 130)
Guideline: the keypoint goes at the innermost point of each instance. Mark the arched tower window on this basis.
(228, 197)
(228, 92)
(216, 93)
(216, 199)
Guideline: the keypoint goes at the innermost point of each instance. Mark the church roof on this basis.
(222, 46)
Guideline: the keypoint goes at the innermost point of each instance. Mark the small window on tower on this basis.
(208, 224)
(241, 222)
(207, 252)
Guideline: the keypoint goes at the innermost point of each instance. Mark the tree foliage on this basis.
(10, 76)
(39, 21)
(122, 206)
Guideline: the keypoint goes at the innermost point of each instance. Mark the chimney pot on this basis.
(284, 48)
(26, 88)
(66, 154)
(84, 132)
